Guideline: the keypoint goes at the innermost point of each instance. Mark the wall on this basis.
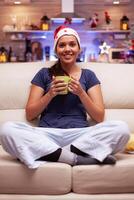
(88, 8)
(85, 8)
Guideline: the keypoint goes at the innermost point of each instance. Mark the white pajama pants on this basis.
(30, 143)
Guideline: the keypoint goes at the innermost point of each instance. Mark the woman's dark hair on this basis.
(56, 70)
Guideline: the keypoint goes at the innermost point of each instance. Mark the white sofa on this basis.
(58, 181)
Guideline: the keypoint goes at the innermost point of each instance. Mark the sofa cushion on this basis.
(116, 81)
(50, 178)
(15, 115)
(15, 84)
(104, 179)
(117, 93)
(126, 115)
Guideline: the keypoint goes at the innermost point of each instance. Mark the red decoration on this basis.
(57, 30)
(107, 18)
(94, 20)
(68, 20)
(132, 43)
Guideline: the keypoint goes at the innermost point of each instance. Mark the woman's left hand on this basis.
(75, 87)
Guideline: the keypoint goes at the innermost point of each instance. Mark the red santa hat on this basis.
(63, 30)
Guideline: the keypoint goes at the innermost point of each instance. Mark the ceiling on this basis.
(96, 2)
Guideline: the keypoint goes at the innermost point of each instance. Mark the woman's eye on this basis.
(72, 44)
(61, 45)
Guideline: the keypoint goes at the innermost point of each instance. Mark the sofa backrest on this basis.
(117, 81)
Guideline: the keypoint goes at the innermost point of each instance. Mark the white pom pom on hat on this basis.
(63, 30)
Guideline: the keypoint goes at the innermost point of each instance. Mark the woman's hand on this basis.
(57, 87)
(75, 87)
(92, 100)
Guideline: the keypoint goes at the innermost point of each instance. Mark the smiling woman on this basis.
(67, 49)
(62, 103)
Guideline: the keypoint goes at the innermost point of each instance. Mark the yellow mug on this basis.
(66, 80)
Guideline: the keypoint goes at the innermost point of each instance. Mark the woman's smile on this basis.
(67, 56)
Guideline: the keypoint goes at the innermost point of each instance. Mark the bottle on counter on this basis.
(47, 53)
(3, 55)
(12, 55)
(92, 57)
(37, 51)
(28, 51)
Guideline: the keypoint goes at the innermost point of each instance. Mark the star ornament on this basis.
(104, 48)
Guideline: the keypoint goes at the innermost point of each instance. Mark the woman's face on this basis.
(67, 49)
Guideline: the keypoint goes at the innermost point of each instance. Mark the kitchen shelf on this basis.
(81, 31)
(21, 35)
(91, 39)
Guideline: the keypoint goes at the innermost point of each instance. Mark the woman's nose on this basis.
(67, 48)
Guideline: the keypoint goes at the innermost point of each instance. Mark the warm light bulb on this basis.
(116, 2)
(17, 2)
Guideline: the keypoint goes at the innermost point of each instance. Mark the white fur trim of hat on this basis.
(65, 31)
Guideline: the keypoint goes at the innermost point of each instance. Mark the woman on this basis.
(64, 134)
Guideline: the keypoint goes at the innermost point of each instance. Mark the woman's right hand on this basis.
(57, 86)
(38, 100)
